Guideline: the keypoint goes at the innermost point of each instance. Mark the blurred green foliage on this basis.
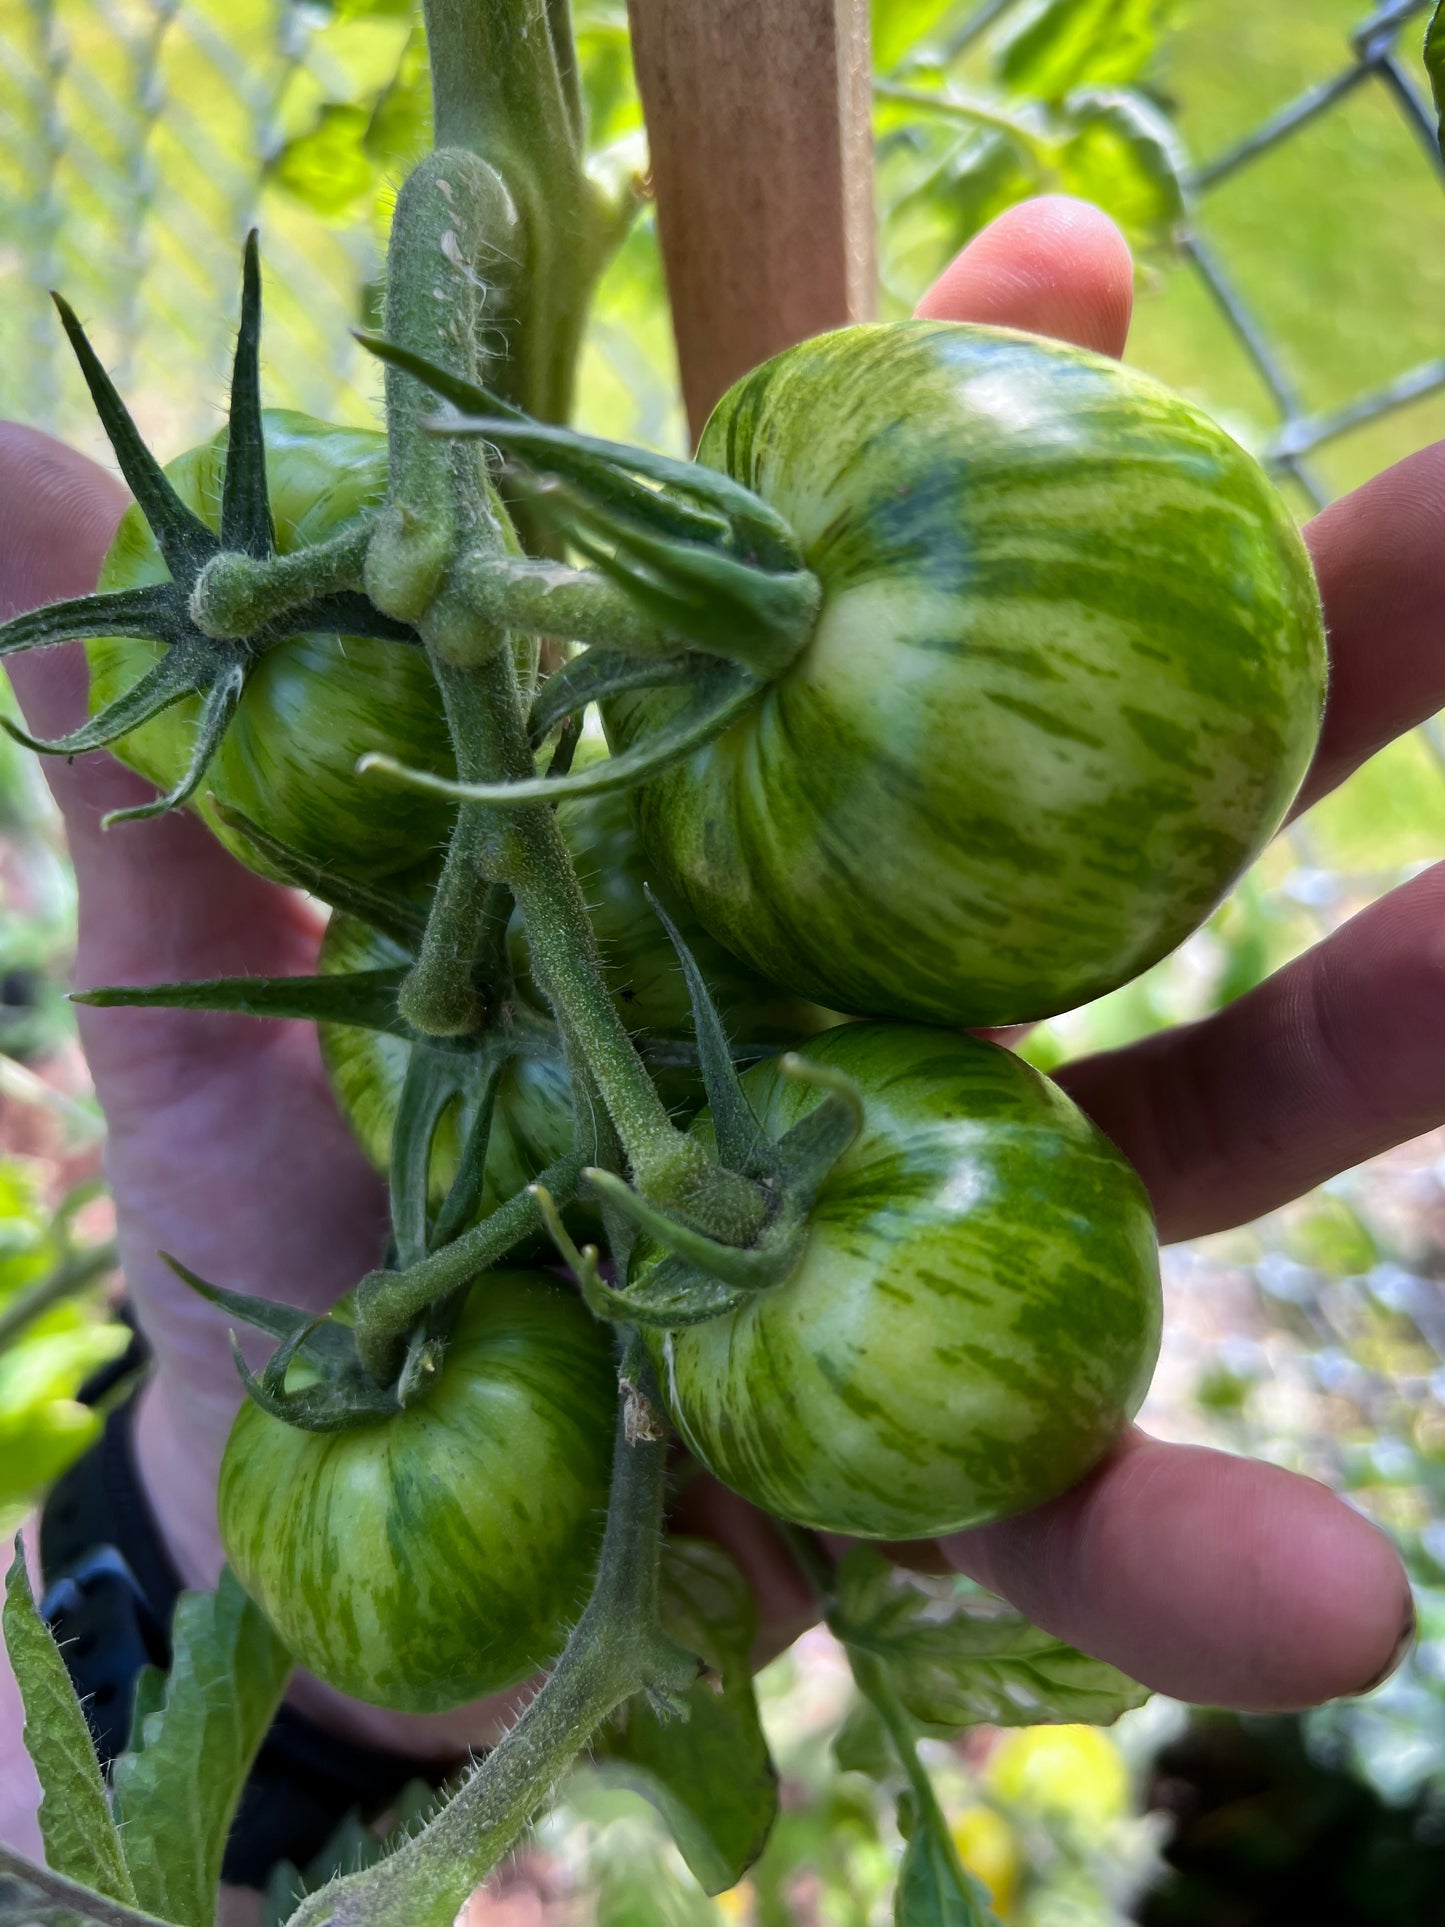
(53, 1334)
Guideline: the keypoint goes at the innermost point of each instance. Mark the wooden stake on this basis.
(758, 113)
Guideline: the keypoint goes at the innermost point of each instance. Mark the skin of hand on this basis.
(1204, 1575)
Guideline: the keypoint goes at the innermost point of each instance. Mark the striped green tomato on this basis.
(973, 1321)
(440, 1554)
(314, 703)
(1066, 679)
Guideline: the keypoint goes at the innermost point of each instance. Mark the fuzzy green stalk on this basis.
(504, 85)
(236, 595)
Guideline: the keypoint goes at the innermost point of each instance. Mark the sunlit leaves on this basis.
(958, 1657)
(1048, 48)
(1053, 104)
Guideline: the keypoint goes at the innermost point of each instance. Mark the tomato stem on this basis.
(616, 1650)
(235, 595)
(504, 86)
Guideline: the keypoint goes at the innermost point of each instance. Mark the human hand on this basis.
(1201, 1574)
(1208, 1576)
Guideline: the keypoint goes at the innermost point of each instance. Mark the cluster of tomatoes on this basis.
(1066, 677)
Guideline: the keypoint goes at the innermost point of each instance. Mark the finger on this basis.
(1335, 1058)
(1379, 554)
(1054, 266)
(1207, 1577)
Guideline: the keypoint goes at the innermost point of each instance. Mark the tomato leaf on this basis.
(709, 1775)
(958, 1657)
(934, 1889)
(176, 1794)
(898, 27)
(861, 1744)
(1050, 47)
(1122, 155)
(328, 167)
(81, 1842)
(1435, 66)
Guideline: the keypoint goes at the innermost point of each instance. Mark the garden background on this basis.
(1276, 168)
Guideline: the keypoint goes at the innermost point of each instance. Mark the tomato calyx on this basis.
(706, 1273)
(198, 661)
(694, 580)
(315, 1379)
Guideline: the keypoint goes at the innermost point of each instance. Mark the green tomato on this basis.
(531, 1116)
(973, 1321)
(441, 1554)
(314, 703)
(1066, 679)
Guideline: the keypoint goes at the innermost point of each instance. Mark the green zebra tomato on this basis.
(975, 1316)
(314, 703)
(1066, 679)
(440, 1554)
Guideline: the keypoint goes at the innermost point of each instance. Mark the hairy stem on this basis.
(504, 86)
(235, 594)
(388, 1303)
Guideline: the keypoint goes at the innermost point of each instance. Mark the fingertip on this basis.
(1052, 266)
(1212, 1578)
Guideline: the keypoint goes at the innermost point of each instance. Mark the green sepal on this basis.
(594, 675)
(722, 693)
(196, 663)
(246, 520)
(181, 536)
(364, 999)
(343, 1393)
(222, 700)
(461, 1201)
(808, 1152)
(699, 592)
(166, 683)
(329, 1340)
(747, 1268)
(696, 1303)
(392, 916)
(741, 1143)
(156, 610)
(328, 1405)
(272, 1380)
(433, 1080)
(710, 499)
(690, 1299)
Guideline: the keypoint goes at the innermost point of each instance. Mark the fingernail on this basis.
(1397, 1657)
